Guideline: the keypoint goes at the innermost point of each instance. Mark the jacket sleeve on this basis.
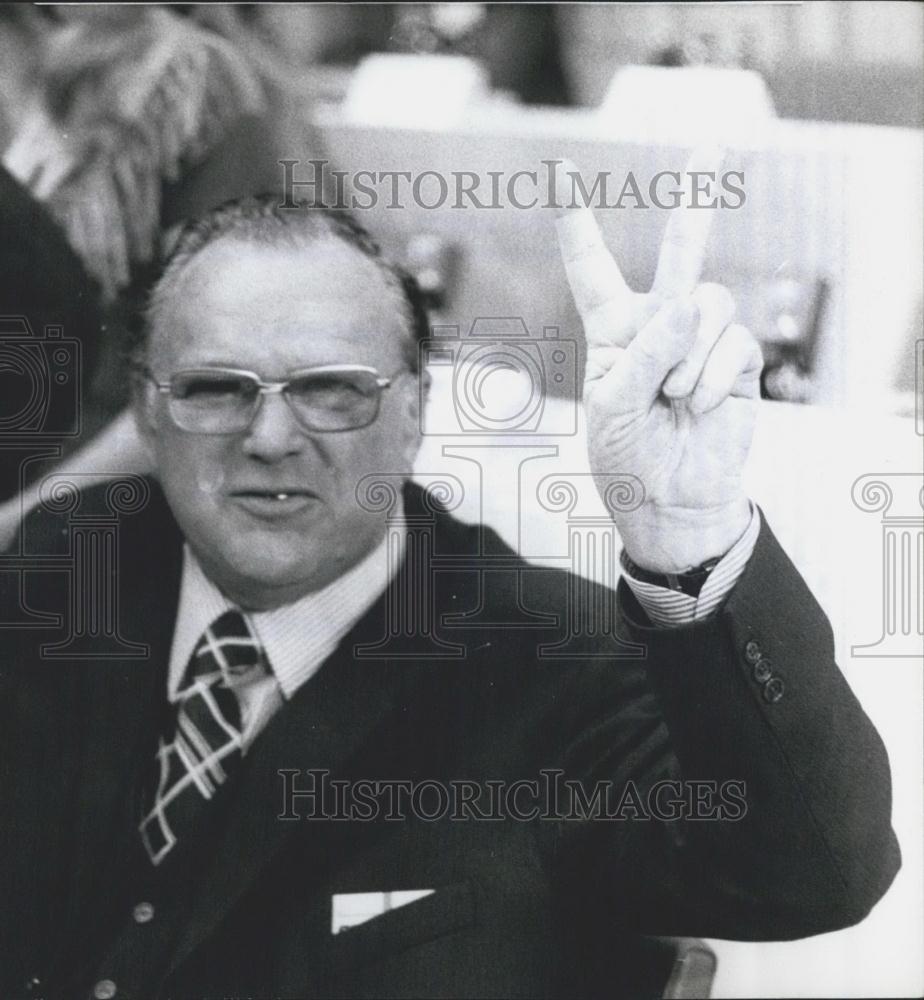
(753, 697)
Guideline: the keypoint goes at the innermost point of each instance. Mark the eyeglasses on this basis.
(226, 401)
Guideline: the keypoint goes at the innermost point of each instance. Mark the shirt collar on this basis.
(297, 637)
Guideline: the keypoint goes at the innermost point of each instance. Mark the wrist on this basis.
(673, 540)
(690, 583)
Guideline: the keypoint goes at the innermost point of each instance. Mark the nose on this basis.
(274, 432)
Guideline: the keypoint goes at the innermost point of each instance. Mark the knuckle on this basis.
(716, 299)
(646, 350)
(746, 349)
(749, 342)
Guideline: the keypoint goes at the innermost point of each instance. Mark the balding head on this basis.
(260, 221)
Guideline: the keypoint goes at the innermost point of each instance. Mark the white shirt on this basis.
(296, 638)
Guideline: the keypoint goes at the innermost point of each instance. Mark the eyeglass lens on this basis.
(222, 402)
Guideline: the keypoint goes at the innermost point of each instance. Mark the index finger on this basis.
(680, 261)
(593, 274)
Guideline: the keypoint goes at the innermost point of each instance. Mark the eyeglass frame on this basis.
(275, 387)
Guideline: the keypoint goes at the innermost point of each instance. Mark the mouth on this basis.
(272, 504)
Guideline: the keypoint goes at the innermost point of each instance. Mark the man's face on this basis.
(272, 311)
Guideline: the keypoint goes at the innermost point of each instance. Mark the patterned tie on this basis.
(207, 744)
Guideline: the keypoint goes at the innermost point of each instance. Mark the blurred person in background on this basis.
(42, 279)
(518, 44)
(119, 122)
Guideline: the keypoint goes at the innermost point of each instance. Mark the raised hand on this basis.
(671, 385)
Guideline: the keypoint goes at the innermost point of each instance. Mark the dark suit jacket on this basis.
(523, 908)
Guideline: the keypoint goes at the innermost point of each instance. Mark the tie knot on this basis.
(227, 649)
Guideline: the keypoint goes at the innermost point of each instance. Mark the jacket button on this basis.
(752, 651)
(773, 690)
(143, 913)
(33, 983)
(763, 670)
(105, 989)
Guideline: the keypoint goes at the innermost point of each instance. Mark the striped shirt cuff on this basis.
(669, 608)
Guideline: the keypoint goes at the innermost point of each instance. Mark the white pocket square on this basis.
(351, 908)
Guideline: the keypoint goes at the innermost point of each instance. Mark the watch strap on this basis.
(689, 582)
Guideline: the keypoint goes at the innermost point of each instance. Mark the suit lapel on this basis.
(119, 704)
(325, 725)
(124, 698)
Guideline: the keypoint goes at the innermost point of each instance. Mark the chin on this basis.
(262, 584)
(275, 565)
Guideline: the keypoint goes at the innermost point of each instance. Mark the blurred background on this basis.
(155, 115)
(119, 122)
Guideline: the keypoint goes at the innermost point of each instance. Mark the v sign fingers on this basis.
(683, 250)
(603, 299)
(648, 351)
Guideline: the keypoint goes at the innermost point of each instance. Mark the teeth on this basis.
(282, 496)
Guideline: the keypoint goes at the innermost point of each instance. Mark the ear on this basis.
(143, 407)
(415, 396)
(423, 382)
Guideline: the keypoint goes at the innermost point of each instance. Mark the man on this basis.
(164, 832)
